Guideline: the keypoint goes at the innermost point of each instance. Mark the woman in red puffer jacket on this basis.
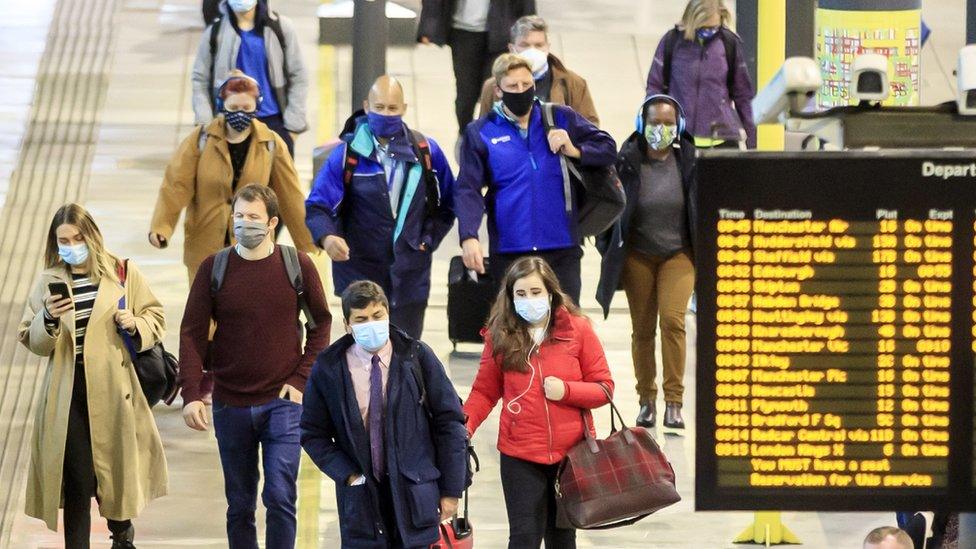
(543, 359)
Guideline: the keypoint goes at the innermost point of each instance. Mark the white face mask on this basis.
(538, 59)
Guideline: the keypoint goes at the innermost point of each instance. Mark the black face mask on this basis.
(519, 104)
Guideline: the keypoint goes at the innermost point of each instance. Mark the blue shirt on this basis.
(252, 60)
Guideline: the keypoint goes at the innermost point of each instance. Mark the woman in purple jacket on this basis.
(700, 63)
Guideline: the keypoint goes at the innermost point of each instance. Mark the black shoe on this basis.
(647, 416)
(123, 540)
(672, 416)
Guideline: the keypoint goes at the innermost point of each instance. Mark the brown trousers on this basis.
(658, 287)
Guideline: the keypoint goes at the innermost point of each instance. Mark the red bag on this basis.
(456, 533)
(613, 482)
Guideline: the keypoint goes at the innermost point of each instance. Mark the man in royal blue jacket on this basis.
(382, 203)
(382, 419)
(508, 150)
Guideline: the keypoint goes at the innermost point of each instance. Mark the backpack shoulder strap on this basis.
(548, 118)
(219, 270)
(274, 21)
(202, 138)
(214, 33)
(293, 268)
(549, 122)
(730, 42)
(418, 376)
(670, 41)
(423, 149)
(349, 162)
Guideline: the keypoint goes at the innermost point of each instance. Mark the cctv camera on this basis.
(788, 92)
(869, 77)
(966, 75)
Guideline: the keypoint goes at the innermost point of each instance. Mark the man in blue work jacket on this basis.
(382, 203)
(509, 151)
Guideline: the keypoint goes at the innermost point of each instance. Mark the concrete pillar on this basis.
(370, 35)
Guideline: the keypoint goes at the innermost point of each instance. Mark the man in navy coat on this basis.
(382, 419)
(382, 203)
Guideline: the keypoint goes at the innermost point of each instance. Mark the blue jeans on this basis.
(240, 430)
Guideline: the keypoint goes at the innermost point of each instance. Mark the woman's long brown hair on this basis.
(100, 263)
(510, 335)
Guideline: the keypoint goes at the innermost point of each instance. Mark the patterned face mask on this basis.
(239, 120)
(705, 33)
(660, 136)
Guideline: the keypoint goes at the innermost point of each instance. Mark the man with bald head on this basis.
(382, 203)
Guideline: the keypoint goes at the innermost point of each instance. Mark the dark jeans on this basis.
(409, 318)
(565, 263)
(276, 123)
(79, 483)
(530, 500)
(240, 431)
(472, 66)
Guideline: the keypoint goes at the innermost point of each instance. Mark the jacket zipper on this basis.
(545, 403)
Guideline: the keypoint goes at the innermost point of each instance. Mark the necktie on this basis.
(376, 418)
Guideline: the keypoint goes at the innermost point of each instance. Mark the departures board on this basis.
(836, 321)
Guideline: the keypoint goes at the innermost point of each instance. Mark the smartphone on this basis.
(58, 288)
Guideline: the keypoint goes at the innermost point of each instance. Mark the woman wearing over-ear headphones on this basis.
(233, 150)
(649, 250)
(543, 359)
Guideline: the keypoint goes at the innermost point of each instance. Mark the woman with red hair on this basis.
(233, 150)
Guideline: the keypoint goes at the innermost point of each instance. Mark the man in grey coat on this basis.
(264, 45)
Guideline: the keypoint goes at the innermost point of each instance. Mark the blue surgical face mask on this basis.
(704, 33)
(532, 309)
(241, 6)
(371, 336)
(386, 126)
(73, 255)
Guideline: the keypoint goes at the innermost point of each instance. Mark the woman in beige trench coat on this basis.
(94, 433)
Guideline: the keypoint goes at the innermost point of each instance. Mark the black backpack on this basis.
(292, 267)
(600, 195)
(675, 35)
(272, 21)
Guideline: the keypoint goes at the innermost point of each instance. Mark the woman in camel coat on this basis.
(214, 161)
(94, 433)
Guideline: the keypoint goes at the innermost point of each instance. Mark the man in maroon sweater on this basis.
(259, 366)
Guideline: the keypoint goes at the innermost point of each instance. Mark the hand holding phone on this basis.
(59, 301)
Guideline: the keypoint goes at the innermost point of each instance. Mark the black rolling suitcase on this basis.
(468, 303)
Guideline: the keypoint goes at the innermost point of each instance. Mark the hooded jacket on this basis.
(290, 90)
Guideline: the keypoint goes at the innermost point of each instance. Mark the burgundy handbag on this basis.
(613, 482)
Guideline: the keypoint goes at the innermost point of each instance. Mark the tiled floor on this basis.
(146, 114)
